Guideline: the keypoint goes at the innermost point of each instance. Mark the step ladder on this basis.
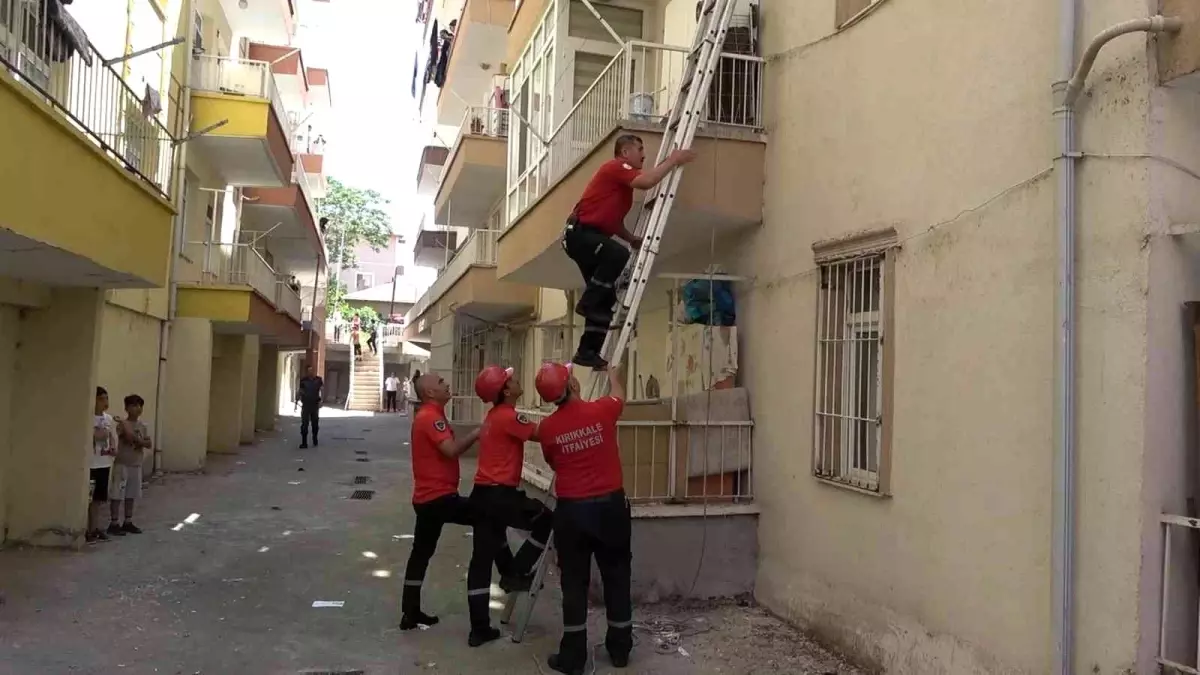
(682, 123)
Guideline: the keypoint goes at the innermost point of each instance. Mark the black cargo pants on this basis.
(584, 528)
(431, 518)
(310, 415)
(501, 507)
(600, 259)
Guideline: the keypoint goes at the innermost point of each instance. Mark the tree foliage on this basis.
(355, 217)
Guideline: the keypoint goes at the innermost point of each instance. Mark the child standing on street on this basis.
(133, 441)
(104, 448)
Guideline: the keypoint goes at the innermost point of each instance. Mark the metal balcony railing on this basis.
(639, 84)
(479, 250)
(287, 300)
(236, 265)
(243, 77)
(43, 47)
(666, 460)
(299, 177)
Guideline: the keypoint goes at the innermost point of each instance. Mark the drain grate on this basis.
(361, 480)
(362, 494)
(349, 438)
(360, 452)
(362, 459)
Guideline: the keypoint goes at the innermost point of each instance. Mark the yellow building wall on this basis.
(8, 348)
(186, 397)
(269, 380)
(128, 364)
(53, 396)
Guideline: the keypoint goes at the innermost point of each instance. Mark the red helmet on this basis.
(553, 382)
(491, 381)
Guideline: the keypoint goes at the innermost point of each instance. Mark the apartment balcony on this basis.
(429, 171)
(721, 192)
(288, 217)
(473, 179)
(250, 147)
(273, 21)
(434, 247)
(287, 66)
(86, 174)
(233, 286)
(313, 166)
(475, 56)
(319, 93)
(468, 284)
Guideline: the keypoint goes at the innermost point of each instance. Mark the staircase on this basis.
(366, 382)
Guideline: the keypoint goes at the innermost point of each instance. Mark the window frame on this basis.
(835, 460)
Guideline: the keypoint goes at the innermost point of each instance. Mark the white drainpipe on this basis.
(1066, 92)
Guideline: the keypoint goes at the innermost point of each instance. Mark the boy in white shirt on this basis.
(103, 452)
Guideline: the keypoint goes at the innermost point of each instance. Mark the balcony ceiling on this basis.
(32, 260)
(291, 241)
(266, 20)
(472, 182)
(478, 52)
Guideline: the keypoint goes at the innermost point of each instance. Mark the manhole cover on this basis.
(362, 494)
(360, 452)
(361, 480)
(362, 459)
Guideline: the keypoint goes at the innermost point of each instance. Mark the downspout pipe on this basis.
(1067, 89)
(180, 232)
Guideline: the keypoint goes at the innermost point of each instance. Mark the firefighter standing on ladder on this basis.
(592, 517)
(596, 220)
(499, 503)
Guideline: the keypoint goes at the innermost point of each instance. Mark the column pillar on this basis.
(225, 394)
(250, 360)
(268, 388)
(54, 393)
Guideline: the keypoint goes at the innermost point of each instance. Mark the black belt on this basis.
(608, 497)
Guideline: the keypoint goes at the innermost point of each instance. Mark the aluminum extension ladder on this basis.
(682, 123)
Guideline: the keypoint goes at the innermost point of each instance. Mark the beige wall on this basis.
(225, 394)
(129, 357)
(52, 394)
(268, 381)
(951, 575)
(249, 393)
(185, 404)
(8, 347)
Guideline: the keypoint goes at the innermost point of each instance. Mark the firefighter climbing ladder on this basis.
(682, 123)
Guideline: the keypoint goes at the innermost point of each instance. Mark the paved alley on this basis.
(224, 579)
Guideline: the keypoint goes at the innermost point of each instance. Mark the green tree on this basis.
(355, 217)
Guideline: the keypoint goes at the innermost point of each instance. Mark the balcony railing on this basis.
(233, 265)
(45, 49)
(287, 300)
(676, 461)
(641, 84)
(301, 178)
(242, 77)
(479, 250)
(478, 121)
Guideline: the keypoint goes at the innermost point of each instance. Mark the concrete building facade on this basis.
(149, 279)
(877, 180)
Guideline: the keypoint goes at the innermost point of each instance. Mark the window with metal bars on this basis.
(848, 426)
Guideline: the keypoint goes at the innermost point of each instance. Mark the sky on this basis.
(374, 138)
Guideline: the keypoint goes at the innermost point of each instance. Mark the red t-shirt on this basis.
(434, 474)
(502, 446)
(608, 197)
(579, 441)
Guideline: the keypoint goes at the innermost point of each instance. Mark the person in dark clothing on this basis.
(592, 514)
(309, 395)
(596, 222)
(500, 503)
(371, 327)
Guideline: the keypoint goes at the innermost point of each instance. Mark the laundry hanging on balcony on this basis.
(431, 64)
(708, 302)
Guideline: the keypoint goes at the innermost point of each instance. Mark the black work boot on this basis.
(316, 443)
(303, 442)
(589, 359)
(482, 635)
(418, 618)
(560, 665)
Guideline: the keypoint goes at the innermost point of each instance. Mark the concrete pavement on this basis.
(224, 579)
